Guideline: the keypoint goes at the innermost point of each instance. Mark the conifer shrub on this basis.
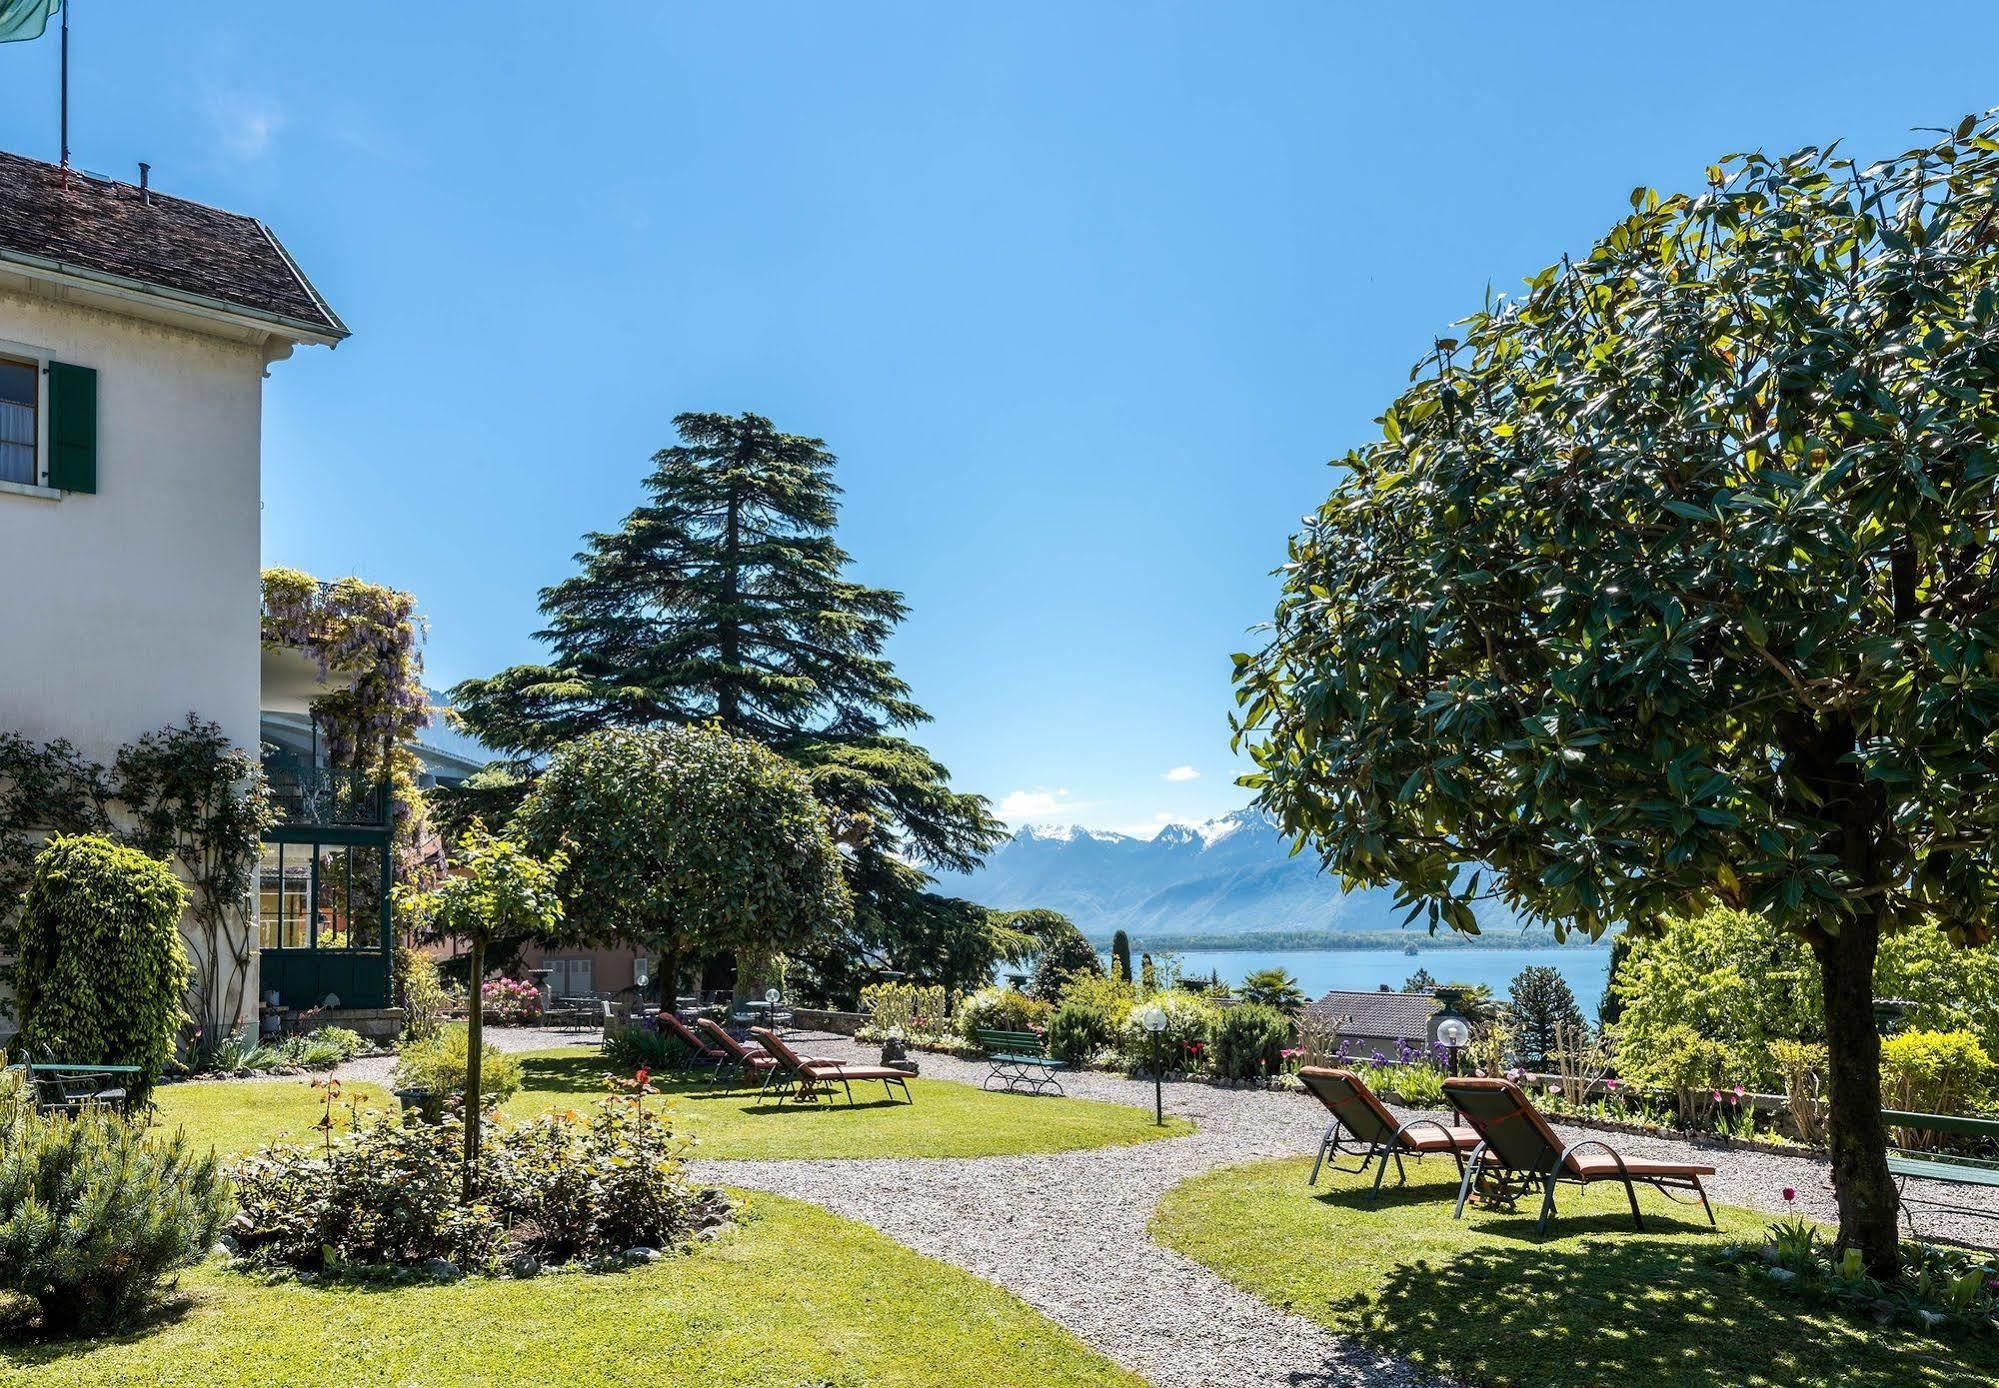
(101, 973)
(96, 1213)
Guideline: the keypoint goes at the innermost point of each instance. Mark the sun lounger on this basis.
(742, 1059)
(699, 1051)
(1519, 1154)
(1362, 1124)
(803, 1076)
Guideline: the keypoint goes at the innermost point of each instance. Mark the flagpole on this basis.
(65, 86)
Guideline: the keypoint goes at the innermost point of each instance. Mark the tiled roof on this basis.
(98, 228)
(1379, 1014)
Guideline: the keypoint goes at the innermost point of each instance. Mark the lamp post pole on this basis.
(1153, 1019)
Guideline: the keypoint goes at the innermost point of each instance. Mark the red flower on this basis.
(1789, 1194)
(643, 1075)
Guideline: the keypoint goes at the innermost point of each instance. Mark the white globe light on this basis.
(1452, 1031)
(1153, 1019)
(770, 996)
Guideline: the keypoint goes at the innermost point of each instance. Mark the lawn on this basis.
(794, 1297)
(947, 1119)
(1486, 1301)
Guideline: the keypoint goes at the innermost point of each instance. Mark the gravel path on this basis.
(1067, 1231)
(375, 1069)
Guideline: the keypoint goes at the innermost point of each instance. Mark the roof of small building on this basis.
(1404, 1015)
(101, 229)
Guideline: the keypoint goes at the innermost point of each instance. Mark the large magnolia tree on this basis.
(1671, 582)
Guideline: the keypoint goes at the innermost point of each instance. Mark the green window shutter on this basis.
(72, 427)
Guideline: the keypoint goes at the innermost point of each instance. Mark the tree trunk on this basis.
(1857, 1137)
(475, 1039)
(667, 984)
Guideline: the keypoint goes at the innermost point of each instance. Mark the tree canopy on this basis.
(1546, 1018)
(1672, 580)
(685, 838)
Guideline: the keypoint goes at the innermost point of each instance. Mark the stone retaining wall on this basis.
(841, 1023)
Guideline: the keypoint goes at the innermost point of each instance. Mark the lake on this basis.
(1363, 970)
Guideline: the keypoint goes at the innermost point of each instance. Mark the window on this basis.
(19, 394)
(572, 978)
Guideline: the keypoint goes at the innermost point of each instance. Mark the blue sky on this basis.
(1084, 296)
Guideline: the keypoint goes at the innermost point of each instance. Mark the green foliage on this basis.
(387, 1191)
(1190, 1024)
(628, 1049)
(1248, 1041)
(439, 1064)
(1063, 955)
(1934, 1071)
(1693, 1066)
(1544, 1011)
(425, 1002)
(1081, 1030)
(1121, 957)
(94, 1213)
(1413, 1085)
(102, 971)
(199, 802)
(603, 1183)
(686, 838)
(994, 1008)
(1276, 988)
(1739, 977)
(906, 1009)
(1801, 1068)
(44, 789)
(1422, 981)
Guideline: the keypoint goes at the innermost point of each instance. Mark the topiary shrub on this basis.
(1249, 1042)
(438, 1066)
(101, 972)
(1080, 1030)
(95, 1214)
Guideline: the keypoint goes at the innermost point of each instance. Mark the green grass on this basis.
(795, 1297)
(1487, 1301)
(947, 1119)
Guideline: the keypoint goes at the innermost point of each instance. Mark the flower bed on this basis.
(510, 1002)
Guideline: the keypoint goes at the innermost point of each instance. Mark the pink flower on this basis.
(1610, 1083)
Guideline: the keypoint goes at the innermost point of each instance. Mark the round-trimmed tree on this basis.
(1672, 582)
(101, 973)
(686, 838)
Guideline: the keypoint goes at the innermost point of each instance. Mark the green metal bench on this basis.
(1020, 1062)
(63, 1088)
(1919, 1164)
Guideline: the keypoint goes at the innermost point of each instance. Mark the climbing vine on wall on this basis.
(371, 633)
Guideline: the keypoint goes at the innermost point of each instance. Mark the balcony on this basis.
(306, 794)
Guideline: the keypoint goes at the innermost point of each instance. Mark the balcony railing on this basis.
(308, 794)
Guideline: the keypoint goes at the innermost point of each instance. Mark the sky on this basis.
(1085, 298)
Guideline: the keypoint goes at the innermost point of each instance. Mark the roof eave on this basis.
(328, 334)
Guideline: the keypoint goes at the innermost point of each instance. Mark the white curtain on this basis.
(17, 443)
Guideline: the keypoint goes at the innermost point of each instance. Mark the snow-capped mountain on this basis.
(1229, 876)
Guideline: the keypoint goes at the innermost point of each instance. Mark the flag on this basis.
(25, 19)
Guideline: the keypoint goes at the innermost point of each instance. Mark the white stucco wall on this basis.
(124, 611)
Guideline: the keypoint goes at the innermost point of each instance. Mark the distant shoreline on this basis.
(1271, 941)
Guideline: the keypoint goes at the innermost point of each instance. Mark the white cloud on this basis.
(245, 123)
(1183, 773)
(1033, 804)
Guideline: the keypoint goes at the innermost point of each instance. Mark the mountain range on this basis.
(1231, 876)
